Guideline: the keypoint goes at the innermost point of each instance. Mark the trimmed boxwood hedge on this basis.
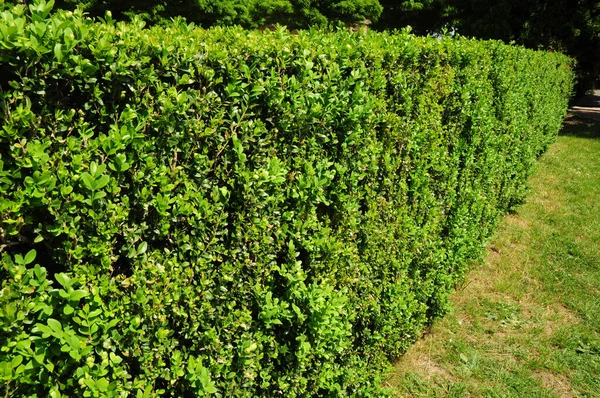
(190, 212)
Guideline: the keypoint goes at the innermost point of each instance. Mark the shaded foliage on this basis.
(424, 16)
(249, 13)
(572, 27)
(569, 26)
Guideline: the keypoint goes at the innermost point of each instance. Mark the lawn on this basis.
(527, 322)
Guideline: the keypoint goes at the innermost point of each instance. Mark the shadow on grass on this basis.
(578, 124)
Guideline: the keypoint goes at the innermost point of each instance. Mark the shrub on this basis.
(249, 13)
(192, 212)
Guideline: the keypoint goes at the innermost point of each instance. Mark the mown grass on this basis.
(527, 322)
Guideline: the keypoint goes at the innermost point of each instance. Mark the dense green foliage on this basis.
(249, 13)
(569, 26)
(218, 212)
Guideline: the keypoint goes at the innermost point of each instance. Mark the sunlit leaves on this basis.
(247, 213)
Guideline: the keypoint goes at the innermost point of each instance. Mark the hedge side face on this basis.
(246, 214)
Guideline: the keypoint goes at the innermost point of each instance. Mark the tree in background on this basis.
(569, 26)
(249, 13)
(423, 16)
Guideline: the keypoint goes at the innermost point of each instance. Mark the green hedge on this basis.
(248, 13)
(188, 212)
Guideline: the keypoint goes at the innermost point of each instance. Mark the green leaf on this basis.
(102, 181)
(58, 51)
(5, 370)
(40, 273)
(88, 181)
(99, 195)
(47, 7)
(66, 190)
(204, 377)
(210, 388)
(115, 358)
(94, 313)
(39, 327)
(30, 257)
(142, 248)
(102, 384)
(77, 295)
(72, 353)
(63, 279)
(54, 393)
(251, 347)
(39, 357)
(16, 361)
(55, 325)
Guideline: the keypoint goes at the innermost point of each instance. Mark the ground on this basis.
(588, 106)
